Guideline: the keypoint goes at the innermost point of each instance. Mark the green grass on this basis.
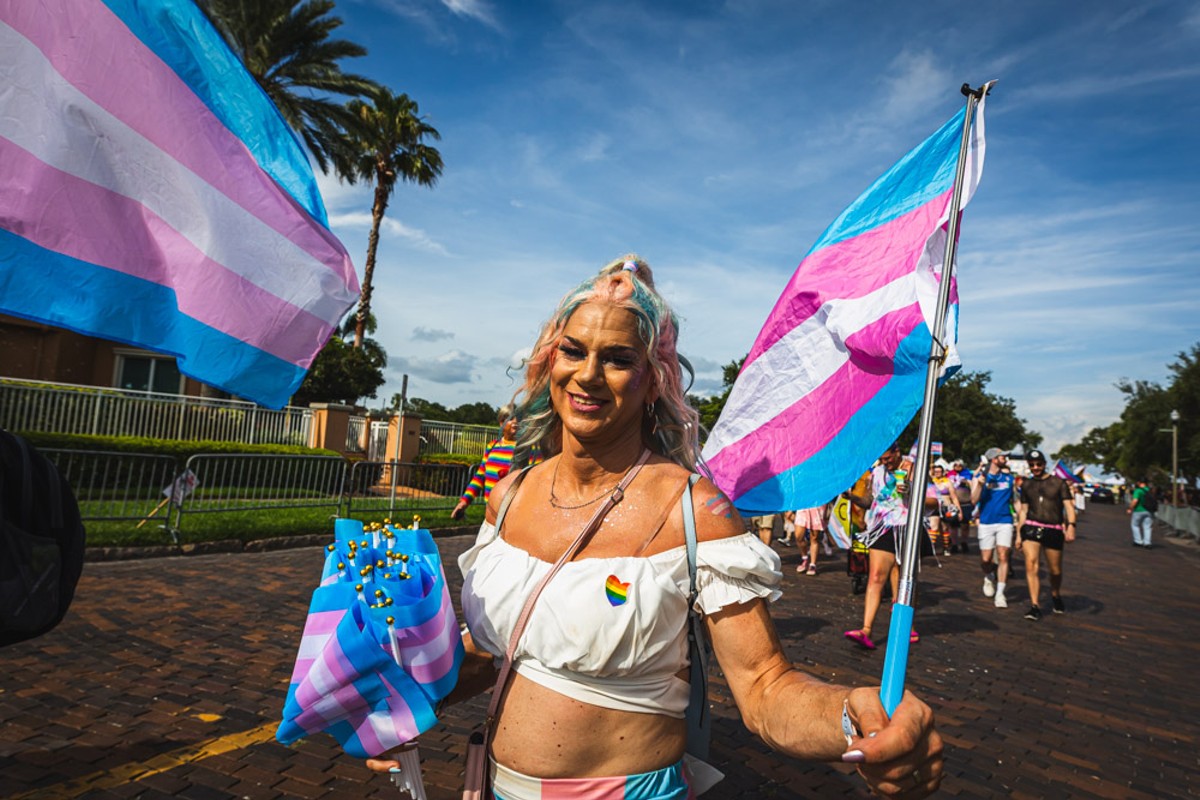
(248, 526)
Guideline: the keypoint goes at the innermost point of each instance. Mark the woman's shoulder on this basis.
(502, 488)
(716, 516)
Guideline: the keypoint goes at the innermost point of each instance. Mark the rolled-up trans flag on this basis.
(381, 645)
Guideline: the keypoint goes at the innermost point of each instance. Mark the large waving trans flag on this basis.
(151, 194)
(838, 369)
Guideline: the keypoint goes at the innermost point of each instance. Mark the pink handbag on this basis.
(476, 786)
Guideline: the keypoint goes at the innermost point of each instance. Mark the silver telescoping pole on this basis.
(937, 354)
(896, 660)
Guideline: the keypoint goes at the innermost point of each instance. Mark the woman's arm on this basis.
(802, 716)
(475, 485)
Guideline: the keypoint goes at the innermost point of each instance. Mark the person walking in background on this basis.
(812, 520)
(886, 523)
(945, 510)
(961, 480)
(1142, 505)
(992, 492)
(789, 529)
(1045, 520)
(765, 525)
(497, 461)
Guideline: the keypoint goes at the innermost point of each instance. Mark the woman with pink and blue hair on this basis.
(596, 702)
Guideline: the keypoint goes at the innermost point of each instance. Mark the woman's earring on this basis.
(653, 418)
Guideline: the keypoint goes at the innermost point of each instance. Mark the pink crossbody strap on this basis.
(618, 494)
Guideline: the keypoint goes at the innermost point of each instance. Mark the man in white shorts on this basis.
(992, 494)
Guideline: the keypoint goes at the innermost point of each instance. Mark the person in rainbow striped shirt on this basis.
(497, 461)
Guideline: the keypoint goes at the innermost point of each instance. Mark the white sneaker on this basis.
(1000, 601)
(989, 586)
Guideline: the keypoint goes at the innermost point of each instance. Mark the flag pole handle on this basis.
(896, 658)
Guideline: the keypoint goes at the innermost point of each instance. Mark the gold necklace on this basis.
(554, 499)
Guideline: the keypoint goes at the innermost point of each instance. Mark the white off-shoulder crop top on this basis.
(608, 631)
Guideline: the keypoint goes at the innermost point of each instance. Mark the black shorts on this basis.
(950, 516)
(1049, 538)
(887, 542)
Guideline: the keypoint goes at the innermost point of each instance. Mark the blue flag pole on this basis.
(896, 659)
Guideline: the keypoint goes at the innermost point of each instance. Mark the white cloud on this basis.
(417, 238)
(423, 334)
(913, 83)
(454, 366)
(477, 10)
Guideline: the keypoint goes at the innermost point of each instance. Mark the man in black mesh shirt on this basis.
(1045, 520)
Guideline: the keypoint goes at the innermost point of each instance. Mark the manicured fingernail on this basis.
(853, 757)
(395, 769)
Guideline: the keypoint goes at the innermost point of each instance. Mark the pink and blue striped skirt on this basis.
(668, 783)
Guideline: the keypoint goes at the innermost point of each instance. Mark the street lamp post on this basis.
(1174, 458)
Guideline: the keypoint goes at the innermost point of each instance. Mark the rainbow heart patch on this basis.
(616, 592)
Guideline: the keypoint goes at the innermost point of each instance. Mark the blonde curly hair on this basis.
(670, 425)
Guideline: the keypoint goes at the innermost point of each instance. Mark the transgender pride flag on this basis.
(839, 367)
(381, 645)
(151, 194)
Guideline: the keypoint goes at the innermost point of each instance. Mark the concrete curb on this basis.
(98, 554)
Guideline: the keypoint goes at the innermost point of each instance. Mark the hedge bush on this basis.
(462, 459)
(181, 451)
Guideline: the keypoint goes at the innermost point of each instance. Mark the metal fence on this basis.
(453, 437)
(356, 429)
(116, 486)
(70, 408)
(377, 444)
(398, 489)
(238, 483)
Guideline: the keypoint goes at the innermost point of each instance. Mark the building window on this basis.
(149, 374)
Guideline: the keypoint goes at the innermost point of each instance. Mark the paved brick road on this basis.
(167, 678)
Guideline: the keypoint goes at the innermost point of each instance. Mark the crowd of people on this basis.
(1035, 515)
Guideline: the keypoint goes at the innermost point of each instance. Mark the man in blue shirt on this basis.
(992, 494)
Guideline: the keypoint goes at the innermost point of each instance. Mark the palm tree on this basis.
(388, 138)
(285, 45)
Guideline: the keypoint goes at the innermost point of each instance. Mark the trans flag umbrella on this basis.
(381, 645)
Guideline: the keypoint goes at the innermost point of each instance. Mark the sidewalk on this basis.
(168, 675)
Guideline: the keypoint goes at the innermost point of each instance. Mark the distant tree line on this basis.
(1138, 445)
(466, 414)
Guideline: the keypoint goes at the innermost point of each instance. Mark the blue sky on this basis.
(718, 140)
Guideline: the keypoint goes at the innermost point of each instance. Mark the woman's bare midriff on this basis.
(548, 735)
